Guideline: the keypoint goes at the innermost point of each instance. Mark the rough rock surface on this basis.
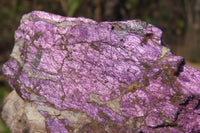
(85, 76)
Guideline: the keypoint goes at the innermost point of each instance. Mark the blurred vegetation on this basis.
(168, 15)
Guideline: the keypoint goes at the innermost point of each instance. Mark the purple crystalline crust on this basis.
(118, 76)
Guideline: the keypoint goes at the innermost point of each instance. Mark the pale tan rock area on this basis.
(22, 117)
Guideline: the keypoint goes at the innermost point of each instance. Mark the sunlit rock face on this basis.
(88, 76)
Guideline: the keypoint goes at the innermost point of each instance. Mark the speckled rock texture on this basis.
(96, 77)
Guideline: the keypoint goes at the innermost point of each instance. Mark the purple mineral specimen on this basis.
(102, 77)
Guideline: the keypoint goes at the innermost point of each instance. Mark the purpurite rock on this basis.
(85, 76)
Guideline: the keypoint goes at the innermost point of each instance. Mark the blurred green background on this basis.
(178, 19)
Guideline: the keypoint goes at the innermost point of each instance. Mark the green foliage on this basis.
(4, 91)
(73, 5)
(5, 128)
(133, 3)
(193, 59)
(147, 19)
(179, 23)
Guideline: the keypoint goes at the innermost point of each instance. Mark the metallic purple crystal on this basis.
(117, 75)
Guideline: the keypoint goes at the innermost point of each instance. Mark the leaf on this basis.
(73, 6)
